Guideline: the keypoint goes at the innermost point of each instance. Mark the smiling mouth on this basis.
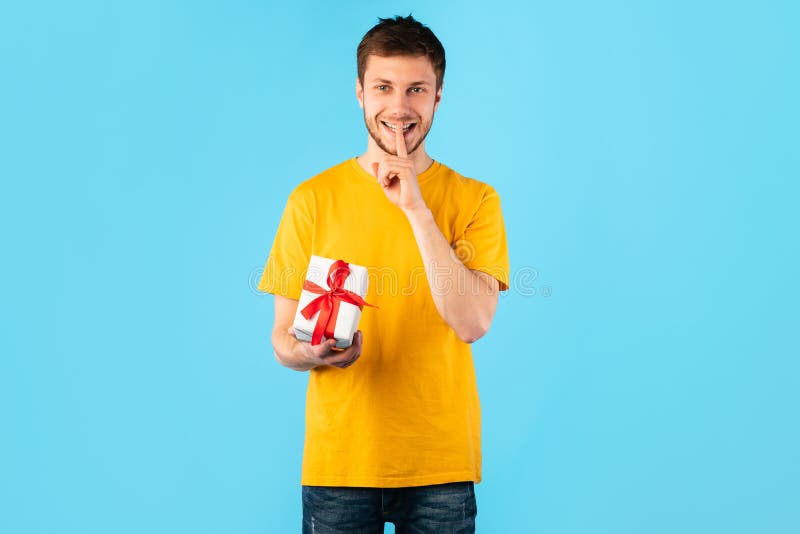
(406, 130)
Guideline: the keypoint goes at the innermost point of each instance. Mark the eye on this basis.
(379, 87)
(421, 90)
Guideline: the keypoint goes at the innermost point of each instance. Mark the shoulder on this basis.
(325, 180)
(464, 187)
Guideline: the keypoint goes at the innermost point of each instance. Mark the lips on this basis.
(406, 133)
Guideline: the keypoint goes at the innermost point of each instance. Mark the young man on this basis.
(393, 421)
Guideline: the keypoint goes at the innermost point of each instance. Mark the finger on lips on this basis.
(401, 142)
(392, 162)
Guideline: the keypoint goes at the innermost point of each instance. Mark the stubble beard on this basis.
(393, 150)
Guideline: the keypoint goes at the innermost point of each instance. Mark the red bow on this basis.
(328, 301)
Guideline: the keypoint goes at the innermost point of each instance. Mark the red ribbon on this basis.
(327, 304)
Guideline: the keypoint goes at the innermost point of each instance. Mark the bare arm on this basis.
(465, 298)
(301, 355)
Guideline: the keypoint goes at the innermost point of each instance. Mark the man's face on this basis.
(398, 88)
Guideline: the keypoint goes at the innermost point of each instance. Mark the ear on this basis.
(359, 93)
(438, 98)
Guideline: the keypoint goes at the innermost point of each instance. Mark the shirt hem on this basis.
(389, 482)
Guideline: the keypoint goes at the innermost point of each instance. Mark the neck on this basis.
(375, 154)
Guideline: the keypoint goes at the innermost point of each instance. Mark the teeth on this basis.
(406, 127)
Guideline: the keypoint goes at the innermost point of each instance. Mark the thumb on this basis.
(375, 169)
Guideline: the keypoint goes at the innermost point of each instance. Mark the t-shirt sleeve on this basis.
(483, 245)
(288, 259)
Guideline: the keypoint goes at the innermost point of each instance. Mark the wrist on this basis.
(299, 357)
(418, 214)
(288, 351)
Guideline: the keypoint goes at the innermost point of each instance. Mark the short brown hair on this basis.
(401, 36)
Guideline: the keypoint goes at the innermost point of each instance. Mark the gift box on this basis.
(331, 302)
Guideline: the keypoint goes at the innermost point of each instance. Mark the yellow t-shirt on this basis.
(407, 412)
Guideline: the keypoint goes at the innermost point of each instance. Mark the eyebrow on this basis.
(388, 82)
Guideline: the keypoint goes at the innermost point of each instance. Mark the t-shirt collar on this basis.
(426, 174)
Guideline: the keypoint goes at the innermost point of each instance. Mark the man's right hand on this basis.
(324, 353)
(301, 355)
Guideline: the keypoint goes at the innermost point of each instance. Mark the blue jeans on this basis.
(438, 508)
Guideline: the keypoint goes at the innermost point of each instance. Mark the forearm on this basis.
(463, 299)
(286, 351)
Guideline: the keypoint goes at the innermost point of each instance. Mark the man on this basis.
(393, 421)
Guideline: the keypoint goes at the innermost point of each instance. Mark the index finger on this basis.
(344, 353)
(346, 356)
(401, 142)
(324, 349)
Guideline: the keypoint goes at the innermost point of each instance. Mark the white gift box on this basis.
(349, 314)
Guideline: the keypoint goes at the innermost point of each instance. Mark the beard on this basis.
(375, 127)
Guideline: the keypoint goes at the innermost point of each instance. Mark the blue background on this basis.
(641, 376)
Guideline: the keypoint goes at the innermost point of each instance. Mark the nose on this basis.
(400, 105)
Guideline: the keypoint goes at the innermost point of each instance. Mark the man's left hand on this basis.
(397, 177)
